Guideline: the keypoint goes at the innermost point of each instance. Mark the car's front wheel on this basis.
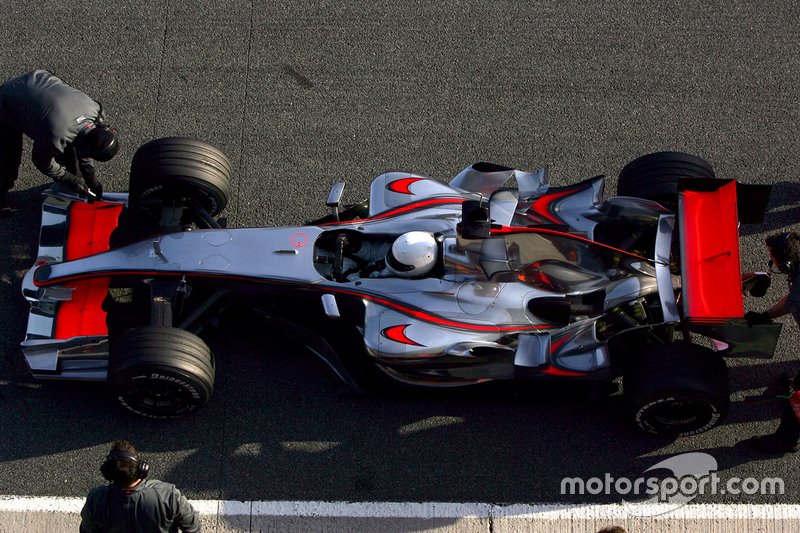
(677, 389)
(161, 372)
(180, 170)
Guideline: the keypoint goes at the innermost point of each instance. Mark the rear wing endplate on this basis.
(710, 263)
(713, 303)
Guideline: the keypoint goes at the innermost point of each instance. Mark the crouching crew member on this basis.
(784, 253)
(67, 129)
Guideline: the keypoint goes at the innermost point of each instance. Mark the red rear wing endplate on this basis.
(709, 238)
(88, 233)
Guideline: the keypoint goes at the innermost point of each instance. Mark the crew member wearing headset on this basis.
(134, 503)
(67, 127)
(784, 253)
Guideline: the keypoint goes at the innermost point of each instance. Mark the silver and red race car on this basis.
(426, 284)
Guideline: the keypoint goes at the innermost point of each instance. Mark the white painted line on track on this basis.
(427, 510)
(51, 504)
(373, 509)
(697, 511)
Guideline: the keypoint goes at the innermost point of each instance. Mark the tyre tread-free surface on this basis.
(655, 176)
(180, 168)
(161, 372)
(675, 374)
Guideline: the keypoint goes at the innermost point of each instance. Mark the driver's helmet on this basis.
(412, 254)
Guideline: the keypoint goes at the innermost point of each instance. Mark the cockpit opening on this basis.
(349, 255)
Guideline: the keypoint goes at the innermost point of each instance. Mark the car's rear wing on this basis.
(712, 296)
(709, 234)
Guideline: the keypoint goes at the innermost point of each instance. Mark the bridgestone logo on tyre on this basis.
(647, 426)
(177, 381)
(152, 190)
(121, 399)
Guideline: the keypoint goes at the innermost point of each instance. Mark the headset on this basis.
(98, 140)
(783, 263)
(142, 470)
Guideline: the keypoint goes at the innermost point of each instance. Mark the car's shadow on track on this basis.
(783, 210)
(280, 427)
(19, 234)
(293, 432)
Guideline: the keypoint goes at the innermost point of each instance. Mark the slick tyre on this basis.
(655, 176)
(677, 390)
(161, 372)
(179, 169)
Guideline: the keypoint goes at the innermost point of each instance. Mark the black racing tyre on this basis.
(655, 176)
(677, 389)
(161, 372)
(176, 169)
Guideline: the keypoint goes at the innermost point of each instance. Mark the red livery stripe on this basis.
(402, 185)
(433, 319)
(398, 334)
(553, 371)
(403, 209)
(554, 346)
(544, 205)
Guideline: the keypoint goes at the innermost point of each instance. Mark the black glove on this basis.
(753, 318)
(91, 180)
(73, 182)
(95, 191)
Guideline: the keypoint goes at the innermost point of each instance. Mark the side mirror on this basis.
(330, 306)
(756, 283)
(334, 198)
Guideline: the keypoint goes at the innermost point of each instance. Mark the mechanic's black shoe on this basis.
(773, 444)
(774, 391)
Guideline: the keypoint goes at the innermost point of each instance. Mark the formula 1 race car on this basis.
(426, 284)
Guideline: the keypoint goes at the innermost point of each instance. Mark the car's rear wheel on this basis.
(161, 372)
(180, 170)
(655, 176)
(677, 389)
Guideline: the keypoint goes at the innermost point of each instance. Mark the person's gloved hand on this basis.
(755, 318)
(75, 183)
(94, 186)
(95, 192)
(72, 181)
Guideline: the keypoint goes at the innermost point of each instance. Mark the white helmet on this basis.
(412, 254)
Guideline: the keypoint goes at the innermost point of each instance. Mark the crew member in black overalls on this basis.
(784, 252)
(67, 129)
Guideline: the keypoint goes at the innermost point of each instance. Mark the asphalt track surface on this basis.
(303, 94)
